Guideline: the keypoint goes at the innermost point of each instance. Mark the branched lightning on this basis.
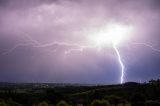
(15, 47)
(72, 47)
(120, 62)
(71, 50)
(36, 44)
(120, 59)
(148, 45)
(78, 47)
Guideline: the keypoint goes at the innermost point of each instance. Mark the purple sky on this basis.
(36, 34)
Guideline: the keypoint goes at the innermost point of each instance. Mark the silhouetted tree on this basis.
(152, 103)
(100, 103)
(62, 103)
(43, 104)
(137, 100)
(115, 99)
(3, 104)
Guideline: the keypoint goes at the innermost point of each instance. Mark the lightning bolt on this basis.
(78, 47)
(36, 44)
(72, 50)
(74, 47)
(14, 47)
(148, 45)
(120, 59)
(71, 47)
(120, 62)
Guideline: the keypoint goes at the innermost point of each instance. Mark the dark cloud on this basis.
(33, 23)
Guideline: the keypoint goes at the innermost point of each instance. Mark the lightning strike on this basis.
(113, 35)
(148, 45)
(15, 47)
(120, 62)
(78, 47)
(36, 44)
(72, 50)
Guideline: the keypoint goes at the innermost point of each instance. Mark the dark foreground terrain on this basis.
(46, 94)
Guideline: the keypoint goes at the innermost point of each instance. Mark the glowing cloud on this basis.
(112, 33)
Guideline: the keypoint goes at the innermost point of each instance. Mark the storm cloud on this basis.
(34, 36)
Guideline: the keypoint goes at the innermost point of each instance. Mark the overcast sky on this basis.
(42, 41)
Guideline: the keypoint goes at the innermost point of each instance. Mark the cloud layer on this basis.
(34, 36)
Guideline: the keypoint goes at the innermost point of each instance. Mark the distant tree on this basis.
(100, 103)
(43, 104)
(127, 105)
(96, 103)
(62, 103)
(115, 99)
(152, 103)
(152, 81)
(105, 103)
(8, 102)
(120, 104)
(137, 99)
(53, 96)
(3, 104)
